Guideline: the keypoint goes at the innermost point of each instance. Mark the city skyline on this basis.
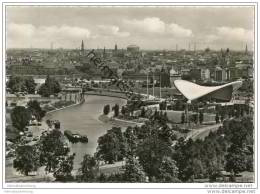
(169, 27)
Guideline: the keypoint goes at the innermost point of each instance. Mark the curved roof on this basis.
(194, 91)
(132, 46)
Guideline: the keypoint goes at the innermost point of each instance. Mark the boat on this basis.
(75, 137)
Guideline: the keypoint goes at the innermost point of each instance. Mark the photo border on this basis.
(129, 4)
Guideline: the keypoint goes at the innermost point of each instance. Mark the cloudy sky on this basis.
(148, 27)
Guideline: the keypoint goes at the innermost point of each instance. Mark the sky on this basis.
(151, 28)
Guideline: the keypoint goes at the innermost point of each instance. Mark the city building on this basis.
(133, 49)
(82, 46)
(193, 91)
(205, 74)
(174, 75)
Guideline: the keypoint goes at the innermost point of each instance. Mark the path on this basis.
(202, 132)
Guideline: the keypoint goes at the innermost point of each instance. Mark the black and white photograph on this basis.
(129, 93)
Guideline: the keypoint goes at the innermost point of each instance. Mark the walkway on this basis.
(202, 132)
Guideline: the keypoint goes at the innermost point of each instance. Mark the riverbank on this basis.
(118, 122)
(72, 105)
(79, 118)
(113, 94)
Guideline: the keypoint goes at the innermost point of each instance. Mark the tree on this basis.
(30, 85)
(26, 160)
(222, 117)
(142, 112)
(186, 77)
(131, 141)
(116, 110)
(123, 110)
(44, 90)
(168, 171)
(217, 118)
(20, 117)
(35, 109)
(15, 83)
(89, 169)
(201, 117)
(63, 173)
(133, 171)
(52, 150)
(106, 109)
(111, 146)
(235, 161)
(183, 155)
(50, 87)
(182, 118)
(196, 118)
(152, 149)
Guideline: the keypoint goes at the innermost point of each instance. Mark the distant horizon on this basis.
(224, 49)
(151, 28)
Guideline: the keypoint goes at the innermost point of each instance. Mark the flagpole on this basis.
(160, 86)
(147, 86)
(153, 84)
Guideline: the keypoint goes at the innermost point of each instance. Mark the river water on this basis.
(83, 119)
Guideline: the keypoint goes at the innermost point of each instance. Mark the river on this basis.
(83, 119)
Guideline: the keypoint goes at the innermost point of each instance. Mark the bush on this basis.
(106, 109)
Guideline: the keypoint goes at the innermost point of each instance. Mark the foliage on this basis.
(236, 160)
(30, 85)
(151, 149)
(21, 84)
(52, 150)
(106, 109)
(20, 117)
(142, 112)
(217, 118)
(50, 87)
(88, 170)
(182, 118)
(168, 171)
(130, 141)
(35, 109)
(201, 117)
(63, 172)
(27, 159)
(133, 171)
(111, 146)
(116, 110)
(123, 110)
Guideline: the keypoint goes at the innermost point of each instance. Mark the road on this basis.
(202, 132)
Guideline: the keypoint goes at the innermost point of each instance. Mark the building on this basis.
(193, 91)
(195, 74)
(221, 74)
(133, 49)
(82, 46)
(205, 74)
(174, 75)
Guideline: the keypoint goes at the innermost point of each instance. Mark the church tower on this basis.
(82, 46)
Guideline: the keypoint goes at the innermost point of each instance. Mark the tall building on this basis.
(82, 46)
(104, 52)
(246, 49)
(115, 47)
(132, 48)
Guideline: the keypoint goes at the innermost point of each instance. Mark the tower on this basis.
(82, 46)
(115, 47)
(104, 52)
(246, 49)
